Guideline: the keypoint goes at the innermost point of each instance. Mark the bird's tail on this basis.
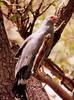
(19, 87)
(19, 91)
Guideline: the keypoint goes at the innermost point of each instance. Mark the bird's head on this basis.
(49, 22)
(53, 18)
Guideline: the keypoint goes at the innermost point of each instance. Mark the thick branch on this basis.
(48, 80)
(35, 90)
(64, 13)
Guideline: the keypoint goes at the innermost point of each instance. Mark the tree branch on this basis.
(55, 70)
(35, 90)
(64, 13)
(47, 7)
(48, 80)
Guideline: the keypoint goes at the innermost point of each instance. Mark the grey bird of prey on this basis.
(28, 51)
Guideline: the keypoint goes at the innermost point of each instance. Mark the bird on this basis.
(27, 52)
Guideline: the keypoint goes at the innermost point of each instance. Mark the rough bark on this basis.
(64, 13)
(55, 86)
(7, 64)
(35, 90)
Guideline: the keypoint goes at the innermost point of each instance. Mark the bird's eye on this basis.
(52, 17)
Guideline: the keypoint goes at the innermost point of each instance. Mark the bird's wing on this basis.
(22, 46)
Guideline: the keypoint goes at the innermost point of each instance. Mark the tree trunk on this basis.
(7, 64)
(64, 13)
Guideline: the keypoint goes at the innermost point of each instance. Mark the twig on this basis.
(36, 13)
(46, 8)
(35, 16)
(6, 2)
